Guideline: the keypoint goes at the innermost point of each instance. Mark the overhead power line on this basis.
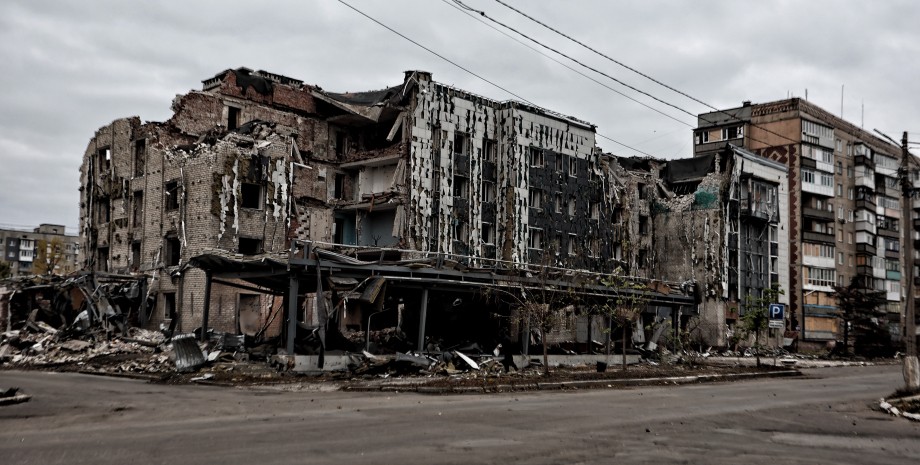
(429, 50)
(733, 117)
(466, 10)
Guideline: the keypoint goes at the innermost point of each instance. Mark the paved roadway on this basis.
(823, 418)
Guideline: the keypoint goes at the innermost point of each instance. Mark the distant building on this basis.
(844, 205)
(20, 249)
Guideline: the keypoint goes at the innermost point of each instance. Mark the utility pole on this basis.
(911, 370)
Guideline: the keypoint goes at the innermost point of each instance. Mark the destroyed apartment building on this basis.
(275, 209)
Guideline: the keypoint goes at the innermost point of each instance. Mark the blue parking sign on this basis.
(777, 311)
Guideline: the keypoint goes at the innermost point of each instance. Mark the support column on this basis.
(422, 316)
(207, 306)
(293, 287)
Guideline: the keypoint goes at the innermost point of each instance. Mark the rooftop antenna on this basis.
(841, 101)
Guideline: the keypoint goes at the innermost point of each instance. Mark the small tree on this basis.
(6, 270)
(49, 254)
(858, 307)
(756, 316)
(625, 308)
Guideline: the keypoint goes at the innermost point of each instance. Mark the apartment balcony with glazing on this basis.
(816, 213)
(864, 226)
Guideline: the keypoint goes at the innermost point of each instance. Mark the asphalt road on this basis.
(822, 418)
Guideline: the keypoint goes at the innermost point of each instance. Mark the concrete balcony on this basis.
(864, 226)
(827, 191)
(865, 249)
(865, 181)
(867, 204)
(820, 262)
(864, 160)
(825, 215)
(811, 236)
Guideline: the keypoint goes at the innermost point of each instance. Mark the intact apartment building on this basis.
(20, 249)
(844, 204)
(256, 160)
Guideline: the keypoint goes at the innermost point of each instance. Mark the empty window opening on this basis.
(641, 188)
(488, 191)
(536, 157)
(559, 163)
(535, 238)
(536, 198)
(137, 217)
(172, 195)
(489, 149)
(104, 160)
(488, 233)
(573, 206)
(140, 157)
(558, 203)
(136, 255)
(643, 225)
(461, 187)
(233, 118)
(103, 212)
(573, 244)
(250, 246)
(251, 195)
(461, 144)
(461, 231)
(573, 166)
(169, 305)
(173, 251)
(341, 144)
(339, 189)
(102, 259)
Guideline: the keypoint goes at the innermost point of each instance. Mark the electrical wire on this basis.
(641, 74)
(471, 72)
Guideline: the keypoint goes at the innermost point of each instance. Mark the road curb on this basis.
(422, 388)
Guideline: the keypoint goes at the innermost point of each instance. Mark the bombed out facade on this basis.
(263, 197)
(256, 162)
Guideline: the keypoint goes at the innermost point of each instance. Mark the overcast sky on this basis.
(72, 67)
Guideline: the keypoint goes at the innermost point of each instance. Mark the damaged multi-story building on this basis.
(263, 175)
(21, 250)
(844, 205)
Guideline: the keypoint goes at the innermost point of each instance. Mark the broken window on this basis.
(641, 188)
(102, 259)
(536, 198)
(140, 156)
(573, 166)
(642, 258)
(643, 225)
(136, 255)
(138, 209)
(341, 144)
(595, 211)
(461, 187)
(461, 231)
(461, 143)
(558, 203)
(103, 213)
(169, 305)
(573, 244)
(173, 250)
(536, 157)
(233, 118)
(535, 238)
(573, 206)
(172, 195)
(250, 246)
(251, 195)
(104, 160)
(488, 233)
(488, 191)
(559, 162)
(488, 150)
(339, 188)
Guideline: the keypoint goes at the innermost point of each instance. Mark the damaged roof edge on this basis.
(748, 155)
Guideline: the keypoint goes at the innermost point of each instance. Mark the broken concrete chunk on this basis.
(75, 345)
